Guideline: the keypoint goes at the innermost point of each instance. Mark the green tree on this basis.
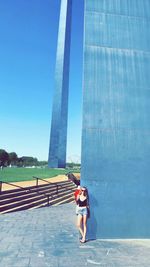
(4, 158)
(13, 158)
(19, 162)
(29, 161)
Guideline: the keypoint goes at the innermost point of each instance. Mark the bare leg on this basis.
(84, 227)
(79, 224)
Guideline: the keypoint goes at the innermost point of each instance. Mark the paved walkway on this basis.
(48, 237)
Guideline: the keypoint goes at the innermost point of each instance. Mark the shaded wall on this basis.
(116, 117)
(58, 136)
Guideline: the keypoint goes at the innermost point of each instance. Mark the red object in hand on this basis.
(76, 193)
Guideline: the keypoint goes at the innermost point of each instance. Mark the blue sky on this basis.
(28, 33)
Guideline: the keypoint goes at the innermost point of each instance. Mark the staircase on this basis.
(37, 196)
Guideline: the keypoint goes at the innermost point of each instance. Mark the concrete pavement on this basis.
(48, 237)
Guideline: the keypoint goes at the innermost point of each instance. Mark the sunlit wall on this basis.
(116, 117)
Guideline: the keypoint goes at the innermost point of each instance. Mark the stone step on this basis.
(14, 191)
(30, 200)
(40, 203)
(49, 191)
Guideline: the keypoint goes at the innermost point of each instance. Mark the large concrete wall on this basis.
(58, 136)
(116, 117)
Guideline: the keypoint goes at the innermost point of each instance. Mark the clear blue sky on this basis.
(28, 39)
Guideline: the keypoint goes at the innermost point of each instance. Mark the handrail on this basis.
(11, 185)
(37, 178)
(55, 183)
(36, 190)
(25, 189)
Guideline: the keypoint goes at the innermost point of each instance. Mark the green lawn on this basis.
(26, 174)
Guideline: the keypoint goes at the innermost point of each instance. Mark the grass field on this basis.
(26, 174)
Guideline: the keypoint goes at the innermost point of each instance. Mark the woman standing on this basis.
(83, 206)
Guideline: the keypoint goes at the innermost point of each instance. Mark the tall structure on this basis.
(116, 117)
(58, 137)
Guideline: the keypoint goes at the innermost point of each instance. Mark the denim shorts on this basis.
(82, 211)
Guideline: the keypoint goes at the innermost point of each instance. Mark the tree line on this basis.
(11, 159)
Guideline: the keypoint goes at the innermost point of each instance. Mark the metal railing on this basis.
(55, 183)
(37, 182)
(26, 190)
(35, 190)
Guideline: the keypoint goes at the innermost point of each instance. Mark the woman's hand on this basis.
(78, 196)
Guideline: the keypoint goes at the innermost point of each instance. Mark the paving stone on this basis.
(42, 261)
(48, 237)
(15, 262)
